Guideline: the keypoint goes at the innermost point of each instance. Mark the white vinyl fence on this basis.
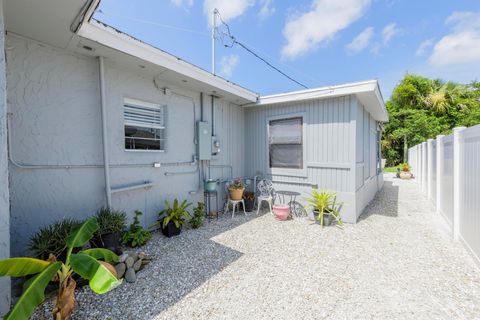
(448, 171)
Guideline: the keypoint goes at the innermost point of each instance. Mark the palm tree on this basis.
(444, 95)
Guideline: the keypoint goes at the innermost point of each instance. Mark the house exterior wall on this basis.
(54, 97)
(368, 177)
(4, 187)
(341, 150)
(329, 139)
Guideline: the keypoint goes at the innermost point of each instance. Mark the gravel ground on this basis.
(397, 262)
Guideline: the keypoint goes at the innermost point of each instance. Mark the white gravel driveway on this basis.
(397, 262)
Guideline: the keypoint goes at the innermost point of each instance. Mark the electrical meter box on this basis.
(204, 140)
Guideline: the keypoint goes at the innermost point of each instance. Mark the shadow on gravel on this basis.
(385, 202)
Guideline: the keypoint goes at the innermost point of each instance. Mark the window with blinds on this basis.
(285, 139)
(144, 125)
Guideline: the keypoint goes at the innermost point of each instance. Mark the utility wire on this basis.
(155, 24)
(236, 42)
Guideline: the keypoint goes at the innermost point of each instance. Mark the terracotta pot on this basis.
(281, 211)
(236, 194)
(405, 175)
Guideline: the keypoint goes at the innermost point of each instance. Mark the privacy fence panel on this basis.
(448, 171)
(446, 183)
(470, 188)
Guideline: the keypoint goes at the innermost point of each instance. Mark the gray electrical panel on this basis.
(204, 140)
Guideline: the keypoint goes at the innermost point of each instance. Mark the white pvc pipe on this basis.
(108, 190)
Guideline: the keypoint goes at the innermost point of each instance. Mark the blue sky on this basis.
(317, 42)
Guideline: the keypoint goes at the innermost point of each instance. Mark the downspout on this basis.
(108, 190)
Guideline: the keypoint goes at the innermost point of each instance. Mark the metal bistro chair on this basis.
(265, 192)
(233, 203)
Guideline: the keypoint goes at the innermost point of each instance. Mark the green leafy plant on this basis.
(176, 213)
(85, 263)
(136, 236)
(324, 203)
(110, 221)
(51, 239)
(237, 184)
(198, 216)
(405, 167)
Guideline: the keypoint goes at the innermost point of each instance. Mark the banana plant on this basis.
(86, 263)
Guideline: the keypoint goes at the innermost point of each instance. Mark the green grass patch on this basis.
(390, 169)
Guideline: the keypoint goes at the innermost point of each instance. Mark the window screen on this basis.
(285, 139)
(144, 126)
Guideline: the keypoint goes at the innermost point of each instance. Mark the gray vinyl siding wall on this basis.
(4, 189)
(55, 101)
(341, 150)
(329, 147)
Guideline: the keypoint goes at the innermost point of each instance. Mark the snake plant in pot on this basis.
(325, 207)
(86, 264)
(173, 217)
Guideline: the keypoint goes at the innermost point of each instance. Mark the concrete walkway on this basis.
(397, 262)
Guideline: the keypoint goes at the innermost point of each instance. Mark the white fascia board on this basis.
(107, 36)
(368, 92)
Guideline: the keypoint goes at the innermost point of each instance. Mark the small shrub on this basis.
(136, 236)
(175, 213)
(405, 167)
(51, 239)
(110, 221)
(198, 216)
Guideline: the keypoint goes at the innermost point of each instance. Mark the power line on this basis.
(235, 41)
(155, 24)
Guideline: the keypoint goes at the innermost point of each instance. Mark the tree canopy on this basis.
(422, 108)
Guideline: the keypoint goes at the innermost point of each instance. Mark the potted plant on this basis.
(249, 199)
(111, 225)
(405, 171)
(198, 216)
(173, 217)
(236, 188)
(325, 207)
(85, 263)
(136, 236)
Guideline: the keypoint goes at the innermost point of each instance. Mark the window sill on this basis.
(147, 151)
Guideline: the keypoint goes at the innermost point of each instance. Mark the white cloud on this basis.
(424, 47)
(266, 8)
(228, 65)
(319, 25)
(229, 9)
(462, 45)
(389, 32)
(361, 41)
(182, 3)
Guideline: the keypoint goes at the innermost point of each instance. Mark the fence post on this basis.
(429, 168)
(439, 171)
(424, 166)
(457, 179)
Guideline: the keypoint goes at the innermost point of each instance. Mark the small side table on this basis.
(207, 196)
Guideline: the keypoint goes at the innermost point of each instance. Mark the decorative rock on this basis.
(145, 261)
(142, 255)
(123, 257)
(120, 268)
(130, 275)
(134, 255)
(129, 262)
(137, 265)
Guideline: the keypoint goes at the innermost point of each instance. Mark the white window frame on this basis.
(146, 104)
(288, 171)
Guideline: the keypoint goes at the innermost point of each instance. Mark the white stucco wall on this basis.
(4, 193)
(54, 97)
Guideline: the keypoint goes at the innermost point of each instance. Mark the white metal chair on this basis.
(265, 192)
(233, 203)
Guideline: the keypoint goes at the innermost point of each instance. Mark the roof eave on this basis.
(108, 36)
